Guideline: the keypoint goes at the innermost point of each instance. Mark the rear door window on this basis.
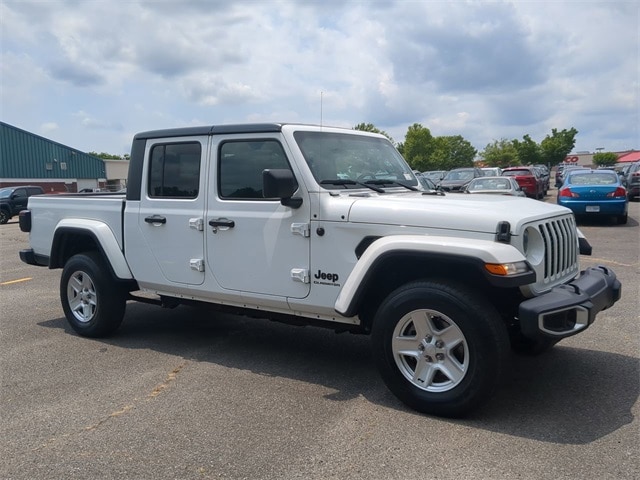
(174, 170)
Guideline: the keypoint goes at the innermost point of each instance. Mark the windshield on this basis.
(495, 183)
(353, 159)
(459, 175)
(600, 178)
(5, 192)
(517, 173)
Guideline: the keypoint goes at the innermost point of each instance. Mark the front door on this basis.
(254, 244)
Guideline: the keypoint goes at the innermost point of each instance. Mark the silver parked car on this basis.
(495, 185)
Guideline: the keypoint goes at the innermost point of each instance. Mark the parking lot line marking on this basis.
(610, 262)
(16, 281)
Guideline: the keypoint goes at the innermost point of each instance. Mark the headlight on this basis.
(505, 269)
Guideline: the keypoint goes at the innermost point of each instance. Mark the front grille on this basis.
(561, 248)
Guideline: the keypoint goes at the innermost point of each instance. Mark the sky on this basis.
(91, 74)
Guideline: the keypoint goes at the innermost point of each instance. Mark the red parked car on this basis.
(529, 180)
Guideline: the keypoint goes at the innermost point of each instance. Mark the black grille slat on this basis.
(547, 247)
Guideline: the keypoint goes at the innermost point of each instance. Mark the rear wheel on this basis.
(92, 301)
(440, 348)
(622, 219)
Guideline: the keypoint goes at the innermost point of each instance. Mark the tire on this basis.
(440, 348)
(4, 217)
(92, 301)
(622, 219)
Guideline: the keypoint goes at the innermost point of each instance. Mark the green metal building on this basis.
(29, 159)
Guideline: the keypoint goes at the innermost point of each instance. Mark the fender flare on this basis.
(103, 237)
(472, 250)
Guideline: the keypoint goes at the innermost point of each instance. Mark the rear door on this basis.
(167, 245)
(19, 200)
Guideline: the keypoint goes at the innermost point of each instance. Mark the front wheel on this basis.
(92, 301)
(440, 348)
(4, 217)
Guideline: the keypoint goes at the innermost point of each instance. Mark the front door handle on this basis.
(222, 222)
(156, 220)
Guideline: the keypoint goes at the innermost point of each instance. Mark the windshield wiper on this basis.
(390, 182)
(345, 182)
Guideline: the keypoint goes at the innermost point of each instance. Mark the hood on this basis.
(477, 213)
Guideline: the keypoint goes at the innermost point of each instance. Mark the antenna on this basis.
(321, 108)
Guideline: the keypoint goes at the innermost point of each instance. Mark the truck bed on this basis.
(47, 211)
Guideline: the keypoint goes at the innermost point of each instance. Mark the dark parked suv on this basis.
(633, 181)
(455, 180)
(14, 199)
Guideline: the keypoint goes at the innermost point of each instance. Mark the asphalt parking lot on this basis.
(190, 394)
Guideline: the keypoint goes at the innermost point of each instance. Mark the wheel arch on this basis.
(69, 240)
(397, 268)
(387, 264)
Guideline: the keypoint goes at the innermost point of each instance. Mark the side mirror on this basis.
(280, 183)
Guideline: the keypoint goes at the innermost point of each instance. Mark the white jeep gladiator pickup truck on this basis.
(325, 226)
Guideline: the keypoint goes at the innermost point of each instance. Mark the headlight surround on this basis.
(533, 245)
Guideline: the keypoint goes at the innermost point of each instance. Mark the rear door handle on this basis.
(156, 220)
(222, 222)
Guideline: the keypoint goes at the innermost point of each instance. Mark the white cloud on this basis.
(49, 127)
(483, 70)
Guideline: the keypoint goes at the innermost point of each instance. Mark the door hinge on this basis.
(196, 224)
(197, 264)
(301, 229)
(300, 275)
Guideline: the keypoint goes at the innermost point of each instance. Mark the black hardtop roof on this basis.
(211, 130)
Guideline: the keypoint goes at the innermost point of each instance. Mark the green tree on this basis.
(370, 127)
(461, 152)
(605, 159)
(109, 156)
(529, 152)
(558, 145)
(418, 147)
(450, 152)
(501, 153)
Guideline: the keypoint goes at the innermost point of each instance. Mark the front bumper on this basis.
(568, 309)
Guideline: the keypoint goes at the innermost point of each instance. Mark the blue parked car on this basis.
(594, 193)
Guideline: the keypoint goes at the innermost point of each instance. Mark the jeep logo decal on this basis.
(329, 278)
